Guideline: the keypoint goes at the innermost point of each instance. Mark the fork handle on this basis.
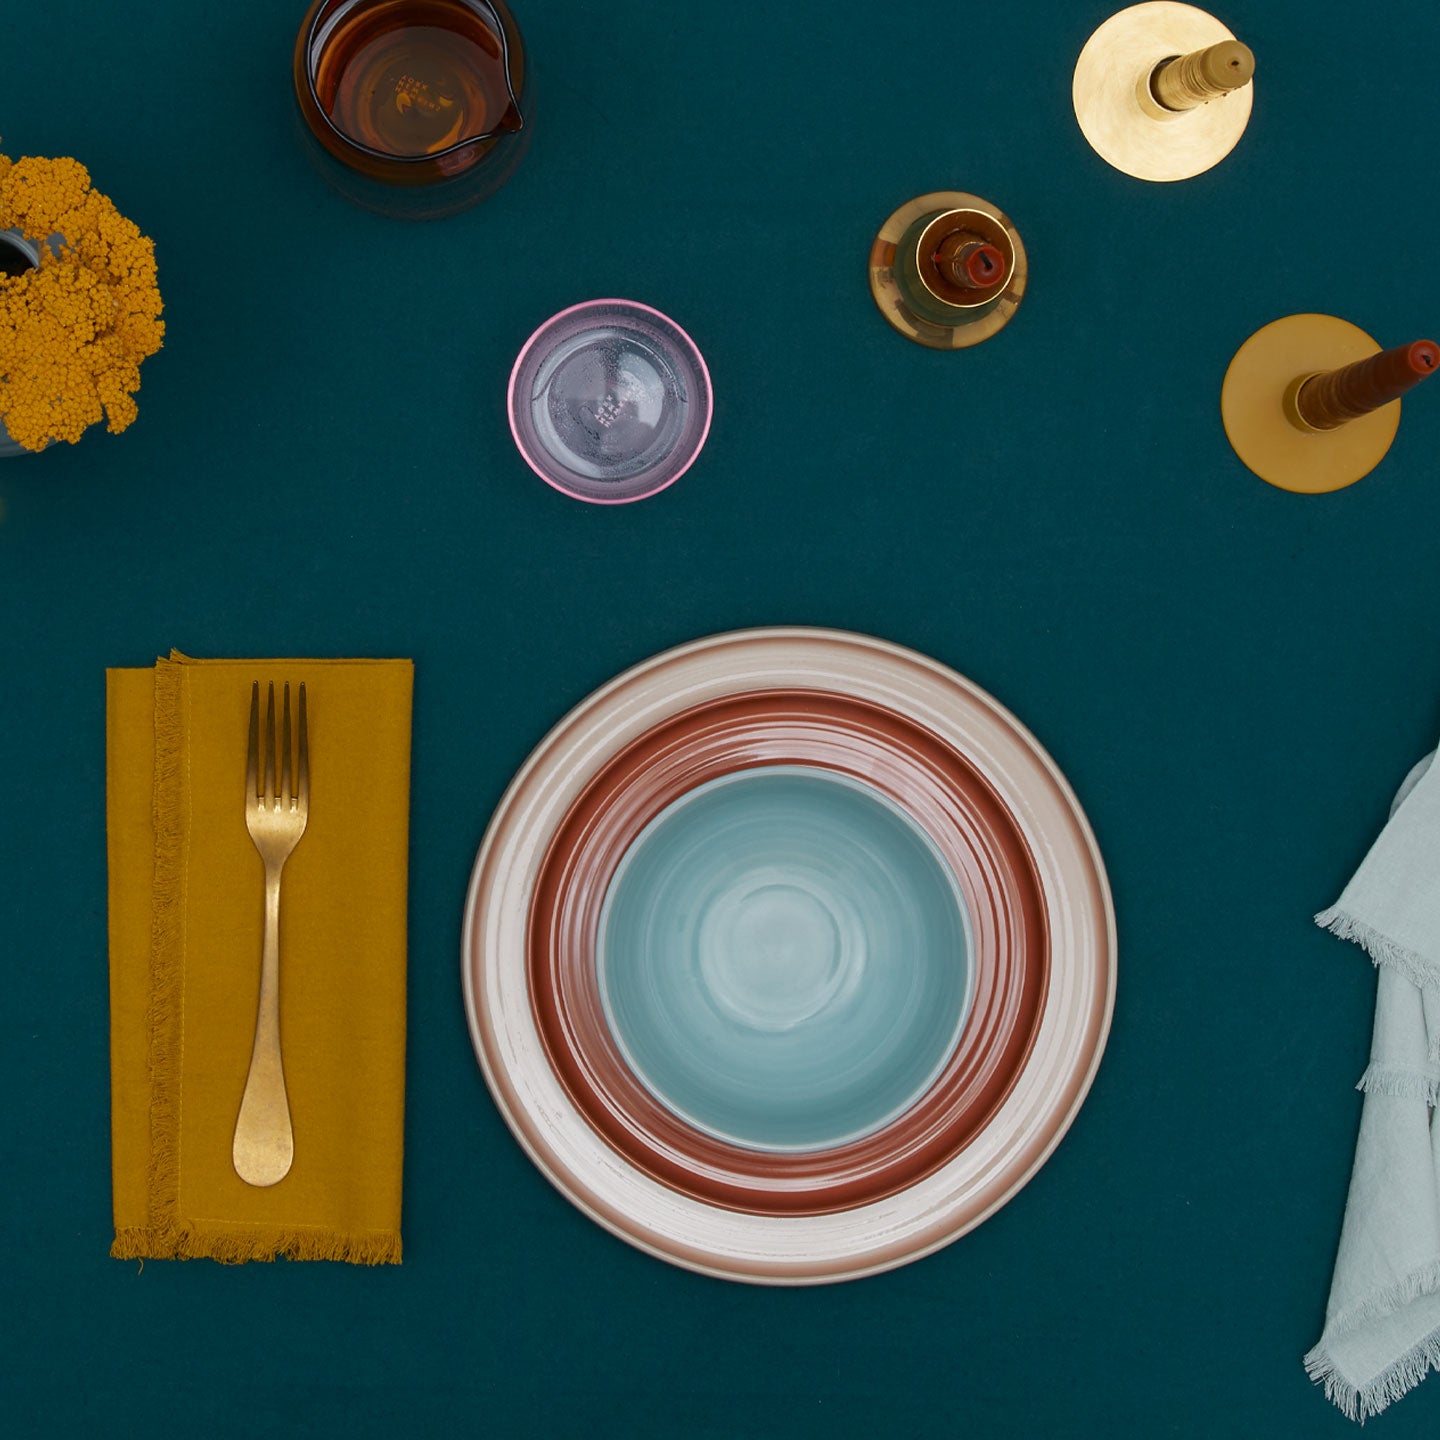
(264, 1142)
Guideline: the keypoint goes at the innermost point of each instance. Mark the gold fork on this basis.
(264, 1142)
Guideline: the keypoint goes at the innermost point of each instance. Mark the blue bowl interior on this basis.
(785, 959)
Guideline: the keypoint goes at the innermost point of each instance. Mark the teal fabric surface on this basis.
(1235, 679)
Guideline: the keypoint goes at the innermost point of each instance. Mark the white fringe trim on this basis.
(1388, 1386)
(1403, 1084)
(1398, 1378)
(1380, 948)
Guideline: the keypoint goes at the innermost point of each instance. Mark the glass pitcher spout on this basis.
(512, 119)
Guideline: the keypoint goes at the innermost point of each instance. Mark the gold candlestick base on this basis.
(1117, 108)
(1256, 403)
(914, 280)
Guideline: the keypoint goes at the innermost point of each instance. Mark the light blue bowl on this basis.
(784, 958)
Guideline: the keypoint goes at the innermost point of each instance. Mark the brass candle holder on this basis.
(948, 270)
(1311, 403)
(1163, 91)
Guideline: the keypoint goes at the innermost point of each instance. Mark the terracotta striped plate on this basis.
(995, 808)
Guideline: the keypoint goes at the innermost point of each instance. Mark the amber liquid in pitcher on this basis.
(413, 77)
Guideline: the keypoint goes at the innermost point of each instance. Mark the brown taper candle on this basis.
(1325, 402)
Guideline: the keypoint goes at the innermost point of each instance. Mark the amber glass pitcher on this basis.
(415, 108)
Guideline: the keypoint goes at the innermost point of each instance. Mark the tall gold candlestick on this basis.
(1312, 404)
(1163, 90)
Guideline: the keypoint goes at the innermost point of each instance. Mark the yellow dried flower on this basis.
(74, 330)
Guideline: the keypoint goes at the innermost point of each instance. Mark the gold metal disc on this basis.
(890, 295)
(1121, 119)
(1252, 405)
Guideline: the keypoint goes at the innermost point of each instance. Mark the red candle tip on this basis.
(1424, 357)
(985, 266)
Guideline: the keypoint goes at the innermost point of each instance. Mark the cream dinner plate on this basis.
(789, 956)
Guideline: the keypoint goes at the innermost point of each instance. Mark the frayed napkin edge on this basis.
(1363, 1402)
(1381, 1079)
(1379, 947)
(366, 1247)
(164, 1012)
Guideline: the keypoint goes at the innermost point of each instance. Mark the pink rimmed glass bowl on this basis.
(610, 401)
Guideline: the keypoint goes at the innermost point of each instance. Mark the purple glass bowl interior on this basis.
(610, 401)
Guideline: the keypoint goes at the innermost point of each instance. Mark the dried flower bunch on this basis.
(74, 330)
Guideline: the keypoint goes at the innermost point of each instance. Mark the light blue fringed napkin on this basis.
(1382, 1322)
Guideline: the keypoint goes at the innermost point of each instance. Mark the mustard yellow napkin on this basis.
(186, 920)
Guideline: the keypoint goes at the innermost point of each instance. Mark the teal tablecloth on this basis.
(1235, 679)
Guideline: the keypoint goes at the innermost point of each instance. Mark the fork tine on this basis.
(269, 796)
(286, 799)
(302, 761)
(252, 757)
